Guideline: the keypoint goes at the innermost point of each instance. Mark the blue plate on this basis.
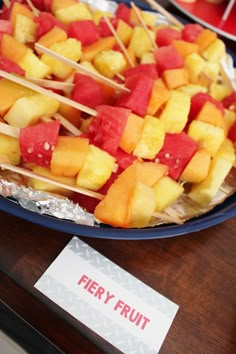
(219, 214)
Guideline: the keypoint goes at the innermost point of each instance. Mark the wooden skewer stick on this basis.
(139, 16)
(30, 174)
(35, 11)
(120, 43)
(58, 85)
(155, 6)
(68, 125)
(7, 3)
(9, 130)
(32, 86)
(80, 68)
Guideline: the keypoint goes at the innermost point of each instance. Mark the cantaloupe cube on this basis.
(175, 114)
(184, 48)
(215, 51)
(34, 67)
(198, 167)
(96, 170)
(73, 13)
(71, 49)
(152, 138)
(48, 187)
(175, 78)
(140, 42)
(205, 191)
(149, 172)
(124, 32)
(55, 35)
(159, 97)
(28, 110)
(24, 29)
(61, 4)
(166, 192)
(207, 135)
(194, 63)
(10, 92)
(209, 113)
(72, 114)
(10, 149)
(69, 155)
(109, 62)
(142, 196)
(89, 51)
(205, 38)
(132, 133)
(12, 49)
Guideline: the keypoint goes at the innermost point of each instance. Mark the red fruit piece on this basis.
(103, 28)
(232, 132)
(123, 12)
(6, 27)
(10, 67)
(197, 103)
(87, 91)
(166, 35)
(84, 31)
(107, 127)
(191, 31)
(137, 100)
(168, 58)
(45, 22)
(230, 101)
(37, 142)
(147, 69)
(176, 153)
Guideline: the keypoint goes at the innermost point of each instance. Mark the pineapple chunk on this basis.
(124, 32)
(109, 62)
(48, 187)
(140, 42)
(28, 110)
(98, 14)
(204, 192)
(33, 66)
(219, 91)
(73, 13)
(230, 118)
(152, 138)
(10, 149)
(208, 136)
(142, 205)
(215, 51)
(175, 114)
(192, 89)
(166, 191)
(71, 49)
(211, 69)
(148, 58)
(96, 169)
(149, 18)
(194, 63)
(226, 151)
(24, 29)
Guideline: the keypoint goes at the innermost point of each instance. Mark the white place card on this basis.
(117, 306)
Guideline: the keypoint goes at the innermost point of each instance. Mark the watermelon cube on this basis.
(137, 99)
(149, 69)
(166, 35)
(176, 152)
(123, 12)
(191, 31)
(198, 101)
(167, 57)
(84, 31)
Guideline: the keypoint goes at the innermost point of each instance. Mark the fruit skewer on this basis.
(155, 6)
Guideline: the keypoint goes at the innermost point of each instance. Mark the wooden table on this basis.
(196, 271)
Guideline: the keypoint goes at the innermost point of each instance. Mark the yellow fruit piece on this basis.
(140, 42)
(10, 149)
(152, 138)
(192, 89)
(10, 92)
(194, 63)
(28, 110)
(73, 13)
(71, 49)
(69, 155)
(215, 51)
(166, 192)
(211, 70)
(56, 34)
(175, 114)
(19, 9)
(226, 151)
(48, 187)
(101, 44)
(124, 32)
(98, 14)
(149, 18)
(24, 29)
(230, 118)
(96, 169)
(33, 66)
(204, 192)
(198, 167)
(147, 58)
(219, 91)
(142, 206)
(207, 135)
(109, 62)
(61, 4)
